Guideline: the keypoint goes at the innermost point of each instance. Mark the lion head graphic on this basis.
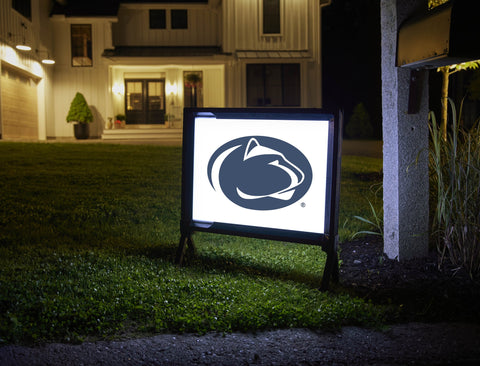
(259, 172)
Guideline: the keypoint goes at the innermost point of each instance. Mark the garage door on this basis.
(19, 118)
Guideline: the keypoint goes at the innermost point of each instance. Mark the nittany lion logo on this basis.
(260, 173)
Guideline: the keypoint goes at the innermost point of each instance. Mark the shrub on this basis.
(455, 166)
(79, 110)
(359, 125)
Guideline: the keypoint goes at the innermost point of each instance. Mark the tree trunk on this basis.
(444, 99)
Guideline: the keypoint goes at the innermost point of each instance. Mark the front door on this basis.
(145, 101)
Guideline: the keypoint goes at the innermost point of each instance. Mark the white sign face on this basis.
(261, 173)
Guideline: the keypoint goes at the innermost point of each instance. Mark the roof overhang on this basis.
(274, 55)
(159, 51)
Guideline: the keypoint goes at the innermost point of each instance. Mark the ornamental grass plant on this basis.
(455, 185)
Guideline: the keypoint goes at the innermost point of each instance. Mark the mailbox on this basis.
(446, 35)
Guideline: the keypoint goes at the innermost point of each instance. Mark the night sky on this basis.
(351, 58)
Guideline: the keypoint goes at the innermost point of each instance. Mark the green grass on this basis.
(361, 185)
(88, 234)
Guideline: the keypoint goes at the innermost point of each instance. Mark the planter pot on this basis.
(81, 131)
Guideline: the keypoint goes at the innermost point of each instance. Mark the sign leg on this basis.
(185, 242)
(331, 271)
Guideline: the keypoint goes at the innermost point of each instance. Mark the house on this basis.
(147, 60)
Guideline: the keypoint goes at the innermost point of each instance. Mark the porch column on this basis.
(405, 137)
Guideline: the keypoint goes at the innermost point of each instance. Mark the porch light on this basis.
(118, 89)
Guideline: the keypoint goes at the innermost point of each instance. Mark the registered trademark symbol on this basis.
(303, 204)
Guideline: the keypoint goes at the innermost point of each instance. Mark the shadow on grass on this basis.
(240, 265)
(215, 263)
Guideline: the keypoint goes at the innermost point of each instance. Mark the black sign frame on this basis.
(327, 240)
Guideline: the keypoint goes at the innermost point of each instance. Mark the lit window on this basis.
(158, 19)
(81, 45)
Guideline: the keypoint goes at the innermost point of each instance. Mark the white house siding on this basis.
(299, 42)
(91, 81)
(36, 33)
(232, 25)
(93, 84)
(214, 87)
(235, 91)
(133, 27)
(242, 26)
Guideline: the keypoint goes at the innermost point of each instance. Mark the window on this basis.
(179, 19)
(192, 89)
(271, 17)
(158, 19)
(273, 85)
(24, 7)
(81, 44)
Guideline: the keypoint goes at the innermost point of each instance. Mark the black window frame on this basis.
(179, 19)
(157, 19)
(271, 17)
(89, 45)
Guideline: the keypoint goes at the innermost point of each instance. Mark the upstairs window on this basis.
(271, 16)
(179, 19)
(81, 40)
(158, 19)
(24, 7)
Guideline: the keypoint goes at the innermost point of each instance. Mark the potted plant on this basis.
(81, 115)
(120, 120)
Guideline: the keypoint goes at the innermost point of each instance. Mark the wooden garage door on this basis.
(19, 105)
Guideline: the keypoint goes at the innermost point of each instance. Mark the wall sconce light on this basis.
(46, 60)
(23, 47)
(118, 89)
(172, 88)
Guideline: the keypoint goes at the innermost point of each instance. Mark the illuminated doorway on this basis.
(145, 101)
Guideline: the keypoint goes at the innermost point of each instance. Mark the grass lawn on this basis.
(88, 234)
